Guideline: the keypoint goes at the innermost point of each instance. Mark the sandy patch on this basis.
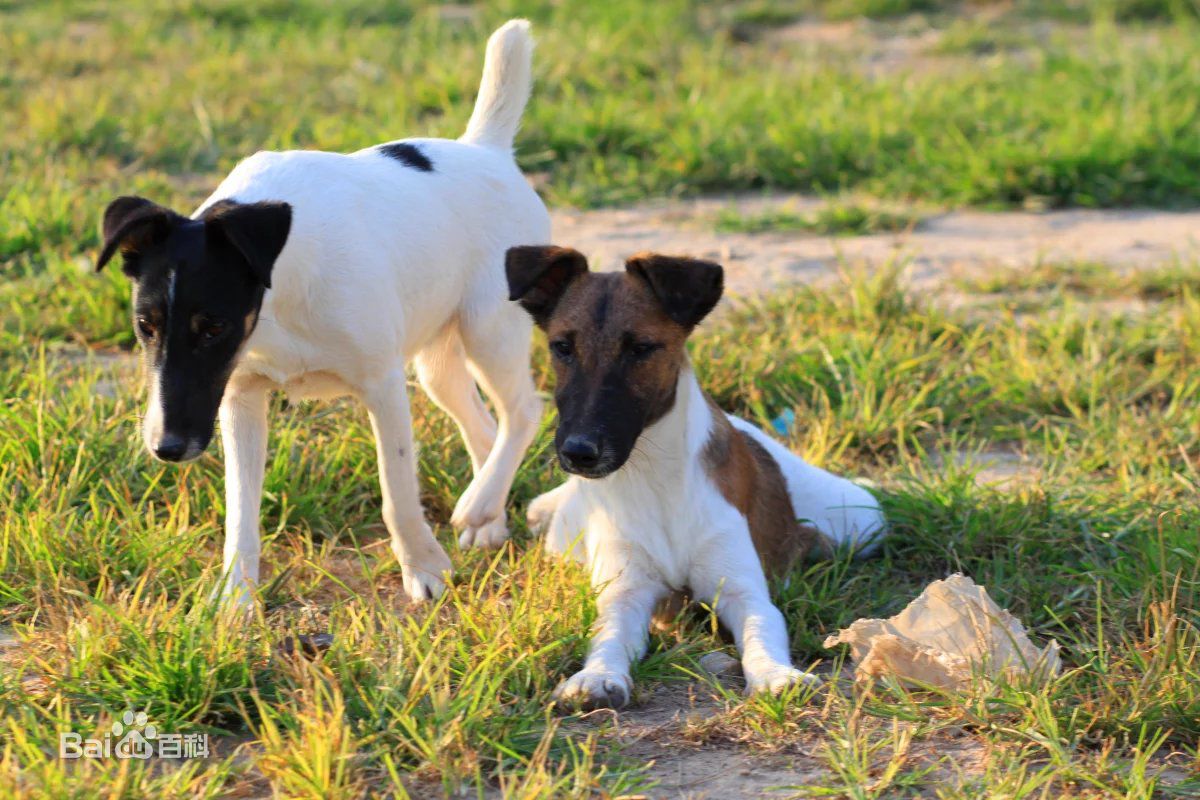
(652, 732)
(997, 467)
(946, 244)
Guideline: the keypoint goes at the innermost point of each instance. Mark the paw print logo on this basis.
(131, 720)
(138, 731)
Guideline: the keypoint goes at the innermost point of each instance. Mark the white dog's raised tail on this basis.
(504, 88)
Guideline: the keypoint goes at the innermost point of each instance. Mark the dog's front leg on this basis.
(422, 560)
(743, 604)
(244, 436)
(761, 634)
(624, 608)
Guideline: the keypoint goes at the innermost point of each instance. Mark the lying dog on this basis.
(324, 274)
(669, 494)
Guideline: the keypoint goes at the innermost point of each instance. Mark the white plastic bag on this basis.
(952, 632)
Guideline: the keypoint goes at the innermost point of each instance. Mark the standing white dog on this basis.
(324, 274)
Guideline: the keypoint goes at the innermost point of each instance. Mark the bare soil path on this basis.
(938, 246)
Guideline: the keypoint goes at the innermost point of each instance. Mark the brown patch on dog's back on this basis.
(750, 479)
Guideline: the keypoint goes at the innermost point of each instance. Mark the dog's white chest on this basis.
(659, 528)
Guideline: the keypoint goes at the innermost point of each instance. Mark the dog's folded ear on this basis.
(538, 275)
(686, 288)
(131, 224)
(256, 230)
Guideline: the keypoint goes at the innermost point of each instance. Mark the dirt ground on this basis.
(653, 732)
(666, 730)
(939, 246)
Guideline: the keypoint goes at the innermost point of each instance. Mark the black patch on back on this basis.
(407, 154)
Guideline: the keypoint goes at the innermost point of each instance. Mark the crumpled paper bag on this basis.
(947, 636)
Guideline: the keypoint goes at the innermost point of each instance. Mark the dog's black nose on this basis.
(170, 447)
(579, 453)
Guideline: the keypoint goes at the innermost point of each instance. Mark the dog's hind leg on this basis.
(422, 560)
(497, 345)
(442, 370)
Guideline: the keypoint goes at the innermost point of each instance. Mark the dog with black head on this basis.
(669, 498)
(198, 287)
(323, 274)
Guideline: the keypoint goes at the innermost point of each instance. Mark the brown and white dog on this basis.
(668, 495)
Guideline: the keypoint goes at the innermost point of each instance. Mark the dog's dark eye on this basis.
(146, 327)
(562, 348)
(210, 330)
(640, 350)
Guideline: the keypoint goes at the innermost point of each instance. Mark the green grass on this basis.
(833, 219)
(981, 38)
(753, 15)
(1075, 10)
(163, 98)
(106, 558)
(1089, 279)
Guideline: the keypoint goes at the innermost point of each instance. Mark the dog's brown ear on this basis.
(131, 224)
(686, 288)
(538, 275)
(257, 230)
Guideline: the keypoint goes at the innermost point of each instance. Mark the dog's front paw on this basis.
(590, 689)
(479, 516)
(421, 585)
(234, 594)
(490, 534)
(424, 579)
(238, 600)
(777, 679)
(541, 512)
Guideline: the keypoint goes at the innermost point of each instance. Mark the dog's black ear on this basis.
(686, 288)
(538, 275)
(257, 230)
(130, 225)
